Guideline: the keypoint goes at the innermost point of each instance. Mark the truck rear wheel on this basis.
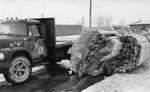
(19, 70)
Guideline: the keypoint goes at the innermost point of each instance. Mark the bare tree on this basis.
(122, 22)
(105, 22)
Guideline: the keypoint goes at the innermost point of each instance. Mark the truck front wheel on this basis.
(19, 70)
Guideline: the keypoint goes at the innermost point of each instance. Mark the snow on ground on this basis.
(64, 64)
(136, 81)
(35, 69)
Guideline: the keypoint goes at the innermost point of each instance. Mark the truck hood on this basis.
(10, 41)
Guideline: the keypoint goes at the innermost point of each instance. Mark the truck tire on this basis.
(19, 70)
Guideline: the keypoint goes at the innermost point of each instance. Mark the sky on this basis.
(75, 11)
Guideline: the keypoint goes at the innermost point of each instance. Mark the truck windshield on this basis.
(13, 28)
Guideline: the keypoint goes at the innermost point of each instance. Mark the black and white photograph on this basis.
(74, 46)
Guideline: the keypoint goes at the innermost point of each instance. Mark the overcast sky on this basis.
(73, 11)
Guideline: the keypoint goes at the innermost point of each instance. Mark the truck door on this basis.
(37, 47)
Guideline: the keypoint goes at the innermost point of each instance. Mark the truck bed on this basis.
(65, 40)
(62, 44)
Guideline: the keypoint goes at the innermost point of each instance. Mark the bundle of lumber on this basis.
(135, 51)
(128, 57)
(96, 52)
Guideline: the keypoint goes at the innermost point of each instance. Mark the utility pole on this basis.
(90, 14)
(82, 22)
(42, 15)
(140, 19)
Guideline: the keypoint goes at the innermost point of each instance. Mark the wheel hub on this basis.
(19, 70)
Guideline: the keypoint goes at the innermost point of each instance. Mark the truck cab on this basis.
(25, 43)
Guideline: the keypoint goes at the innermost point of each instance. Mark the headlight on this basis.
(2, 56)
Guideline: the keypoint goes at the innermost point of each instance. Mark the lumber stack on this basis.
(135, 51)
(96, 52)
(128, 57)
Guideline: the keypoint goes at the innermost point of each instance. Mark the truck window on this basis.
(42, 30)
(33, 31)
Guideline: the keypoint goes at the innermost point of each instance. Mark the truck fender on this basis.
(19, 52)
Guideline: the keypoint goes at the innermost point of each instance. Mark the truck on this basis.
(25, 43)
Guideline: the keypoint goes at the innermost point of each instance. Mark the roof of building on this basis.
(141, 23)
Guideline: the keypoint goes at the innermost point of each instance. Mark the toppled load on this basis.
(96, 52)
